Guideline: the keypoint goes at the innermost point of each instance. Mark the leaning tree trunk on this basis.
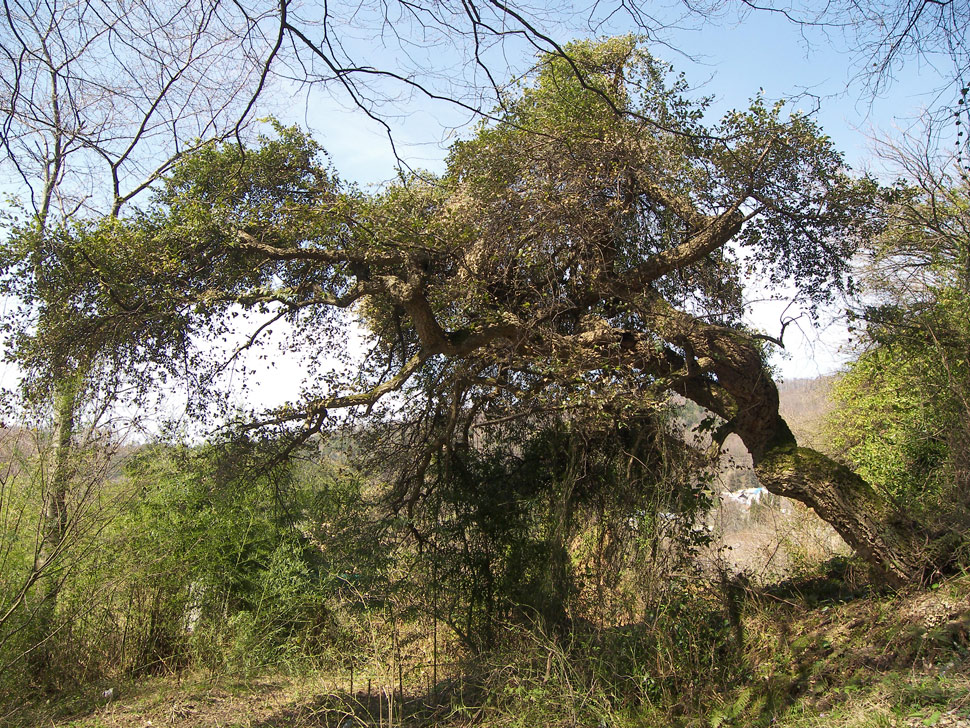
(879, 533)
(893, 543)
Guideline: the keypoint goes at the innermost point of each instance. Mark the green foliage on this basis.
(247, 565)
(732, 712)
(201, 561)
(903, 404)
(82, 288)
(667, 669)
(587, 191)
(550, 525)
(893, 423)
(568, 167)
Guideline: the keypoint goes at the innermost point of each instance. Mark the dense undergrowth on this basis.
(803, 653)
(204, 589)
(553, 585)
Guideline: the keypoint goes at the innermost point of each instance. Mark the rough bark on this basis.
(55, 516)
(880, 534)
(886, 538)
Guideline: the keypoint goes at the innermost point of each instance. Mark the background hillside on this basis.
(765, 536)
(804, 404)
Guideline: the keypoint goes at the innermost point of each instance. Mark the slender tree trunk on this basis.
(55, 517)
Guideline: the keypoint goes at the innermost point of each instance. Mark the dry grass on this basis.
(207, 701)
(814, 659)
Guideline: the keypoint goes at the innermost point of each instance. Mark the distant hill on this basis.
(804, 403)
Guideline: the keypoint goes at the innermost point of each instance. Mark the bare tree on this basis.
(99, 98)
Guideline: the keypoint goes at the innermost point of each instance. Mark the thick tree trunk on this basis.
(885, 538)
(893, 543)
(890, 541)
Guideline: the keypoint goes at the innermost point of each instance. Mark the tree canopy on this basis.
(587, 207)
(583, 253)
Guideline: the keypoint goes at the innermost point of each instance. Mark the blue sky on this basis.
(731, 59)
